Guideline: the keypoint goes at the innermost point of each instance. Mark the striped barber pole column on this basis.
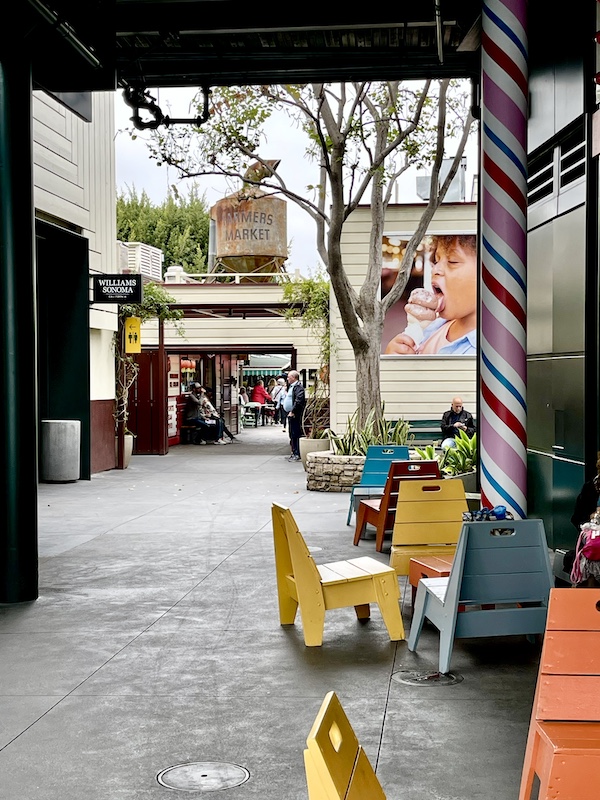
(503, 362)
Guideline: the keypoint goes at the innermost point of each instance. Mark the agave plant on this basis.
(462, 457)
(376, 430)
(427, 453)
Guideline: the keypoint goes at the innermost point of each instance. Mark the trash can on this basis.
(60, 445)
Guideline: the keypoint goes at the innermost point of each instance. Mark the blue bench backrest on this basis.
(378, 460)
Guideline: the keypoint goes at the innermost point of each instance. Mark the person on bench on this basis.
(201, 413)
(455, 419)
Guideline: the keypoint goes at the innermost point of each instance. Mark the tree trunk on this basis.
(368, 391)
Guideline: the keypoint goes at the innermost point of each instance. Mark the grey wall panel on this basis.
(568, 267)
(568, 406)
(541, 104)
(553, 485)
(539, 289)
(539, 490)
(540, 412)
(555, 423)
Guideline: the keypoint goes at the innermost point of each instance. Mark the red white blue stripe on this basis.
(503, 343)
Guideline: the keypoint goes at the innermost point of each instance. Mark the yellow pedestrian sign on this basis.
(133, 335)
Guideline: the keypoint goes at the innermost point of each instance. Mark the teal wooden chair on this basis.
(501, 578)
(375, 472)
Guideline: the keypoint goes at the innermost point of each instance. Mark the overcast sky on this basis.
(285, 142)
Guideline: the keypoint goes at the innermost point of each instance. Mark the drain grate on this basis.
(203, 776)
(413, 678)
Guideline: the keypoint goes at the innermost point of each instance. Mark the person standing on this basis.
(294, 404)
(454, 420)
(277, 395)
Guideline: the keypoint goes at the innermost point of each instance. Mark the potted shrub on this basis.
(315, 421)
(376, 430)
(459, 461)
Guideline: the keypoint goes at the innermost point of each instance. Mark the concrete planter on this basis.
(128, 449)
(469, 480)
(328, 473)
(308, 445)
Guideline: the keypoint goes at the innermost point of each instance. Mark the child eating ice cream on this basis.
(443, 321)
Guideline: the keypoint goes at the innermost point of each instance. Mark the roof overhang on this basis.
(103, 44)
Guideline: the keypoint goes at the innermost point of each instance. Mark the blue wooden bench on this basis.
(375, 472)
(501, 576)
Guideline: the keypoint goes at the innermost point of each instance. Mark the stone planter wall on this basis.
(328, 473)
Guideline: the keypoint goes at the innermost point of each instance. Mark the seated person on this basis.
(200, 412)
(455, 419)
(586, 504)
(444, 320)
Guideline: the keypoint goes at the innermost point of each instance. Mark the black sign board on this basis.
(117, 288)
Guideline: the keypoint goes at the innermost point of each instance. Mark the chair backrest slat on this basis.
(568, 687)
(400, 472)
(498, 562)
(334, 759)
(291, 553)
(378, 460)
(429, 512)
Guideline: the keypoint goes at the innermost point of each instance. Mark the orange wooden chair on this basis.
(336, 766)
(380, 511)
(563, 746)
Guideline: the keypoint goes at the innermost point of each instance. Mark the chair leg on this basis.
(388, 600)
(288, 608)
(350, 507)
(313, 623)
(418, 618)
(380, 534)
(528, 773)
(363, 611)
(446, 647)
(360, 523)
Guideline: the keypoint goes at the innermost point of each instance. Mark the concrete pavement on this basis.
(156, 642)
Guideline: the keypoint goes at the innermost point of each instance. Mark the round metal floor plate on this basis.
(415, 678)
(203, 776)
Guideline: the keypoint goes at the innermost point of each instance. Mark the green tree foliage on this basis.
(309, 305)
(179, 226)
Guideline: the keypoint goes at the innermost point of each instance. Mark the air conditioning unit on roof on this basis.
(145, 260)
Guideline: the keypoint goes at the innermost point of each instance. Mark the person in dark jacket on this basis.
(294, 404)
(455, 419)
(587, 499)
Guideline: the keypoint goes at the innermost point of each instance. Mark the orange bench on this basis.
(563, 746)
(427, 567)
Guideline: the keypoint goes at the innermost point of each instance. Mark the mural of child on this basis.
(445, 318)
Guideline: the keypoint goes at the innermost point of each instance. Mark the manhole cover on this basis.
(413, 678)
(203, 776)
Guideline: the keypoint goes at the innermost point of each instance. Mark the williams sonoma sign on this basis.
(117, 288)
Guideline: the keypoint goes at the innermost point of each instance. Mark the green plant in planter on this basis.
(315, 420)
(461, 458)
(376, 430)
(427, 453)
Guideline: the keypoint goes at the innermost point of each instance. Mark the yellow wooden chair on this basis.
(337, 767)
(428, 521)
(340, 584)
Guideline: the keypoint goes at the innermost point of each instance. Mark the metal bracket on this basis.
(138, 98)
